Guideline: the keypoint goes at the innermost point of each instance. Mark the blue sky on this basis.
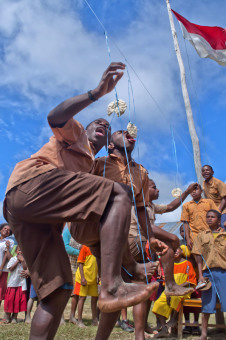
(51, 50)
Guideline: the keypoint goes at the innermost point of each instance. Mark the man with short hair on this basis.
(115, 167)
(54, 186)
(215, 190)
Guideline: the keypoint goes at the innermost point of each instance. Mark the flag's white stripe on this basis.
(203, 48)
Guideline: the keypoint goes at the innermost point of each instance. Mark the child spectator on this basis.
(15, 298)
(215, 190)
(194, 215)
(32, 298)
(72, 248)
(210, 245)
(86, 284)
(184, 275)
(6, 246)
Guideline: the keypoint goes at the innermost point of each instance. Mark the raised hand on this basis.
(109, 79)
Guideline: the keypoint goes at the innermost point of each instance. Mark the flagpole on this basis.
(191, 125)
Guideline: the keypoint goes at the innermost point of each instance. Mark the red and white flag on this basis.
(209, 42)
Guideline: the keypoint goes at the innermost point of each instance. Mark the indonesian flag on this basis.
(209, 42)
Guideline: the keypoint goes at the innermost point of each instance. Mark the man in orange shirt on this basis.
(215, 190)
(54, 186)
(194, 215)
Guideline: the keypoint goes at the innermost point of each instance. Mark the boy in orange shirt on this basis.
(165, 306)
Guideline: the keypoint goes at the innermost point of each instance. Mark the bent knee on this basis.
(175, 242)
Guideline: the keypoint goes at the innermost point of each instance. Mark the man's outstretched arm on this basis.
(70, 107)
(177, 202)
(155, 244)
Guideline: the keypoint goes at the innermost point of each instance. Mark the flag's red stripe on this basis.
(216, 36)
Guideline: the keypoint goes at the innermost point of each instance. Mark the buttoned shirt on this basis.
(195, 214)
(151, 209)
(68, 149)
(212, 246)
(215, 190)
(113, 168)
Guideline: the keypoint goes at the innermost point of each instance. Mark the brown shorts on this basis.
(136, 246)
(37, 210)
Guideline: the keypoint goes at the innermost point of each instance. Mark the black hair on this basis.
(2, 225)
(217, 213)
(208, 166)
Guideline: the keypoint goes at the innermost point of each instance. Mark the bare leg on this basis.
(205, 319)
(29, 309)
(164, 331)
(81, 302)
(14, 318)
(147, 327)
(168, 263)
(48, 314)
(139, 271)
(106, 324)
(139, 317)
(115, 294)
(74, 303)
(94, 310)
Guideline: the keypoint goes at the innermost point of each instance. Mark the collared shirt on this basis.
(195, 214)
(117, 171)
(151, 209)
(212, 246)
(68, 149)
(215, 190)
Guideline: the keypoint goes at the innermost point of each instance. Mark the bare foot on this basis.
(143, 270)
(149, 330)
(163, 333)
(95, 323)
(81, 324)
(14, 321)
(203, 337)
(28, 320)
(62, 321)
(73, 320)
(175, 290)
(125, 295)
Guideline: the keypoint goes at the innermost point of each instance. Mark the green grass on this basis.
(20, 331)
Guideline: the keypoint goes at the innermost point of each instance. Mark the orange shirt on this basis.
(184, 272)
(68, 149)
(215, 190)
(195, 214)
(118, 172)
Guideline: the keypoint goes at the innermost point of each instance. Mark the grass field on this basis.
(20, 331)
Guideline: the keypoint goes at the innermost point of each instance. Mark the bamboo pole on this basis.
(191, 125)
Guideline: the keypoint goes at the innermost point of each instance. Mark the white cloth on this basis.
(3, 249)
(15, 280)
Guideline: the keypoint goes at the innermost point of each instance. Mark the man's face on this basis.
(153, 191)
(5, 232)
(118, 139)
(196, 193)
(212, 220)
(99, 133)
(207, 172)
